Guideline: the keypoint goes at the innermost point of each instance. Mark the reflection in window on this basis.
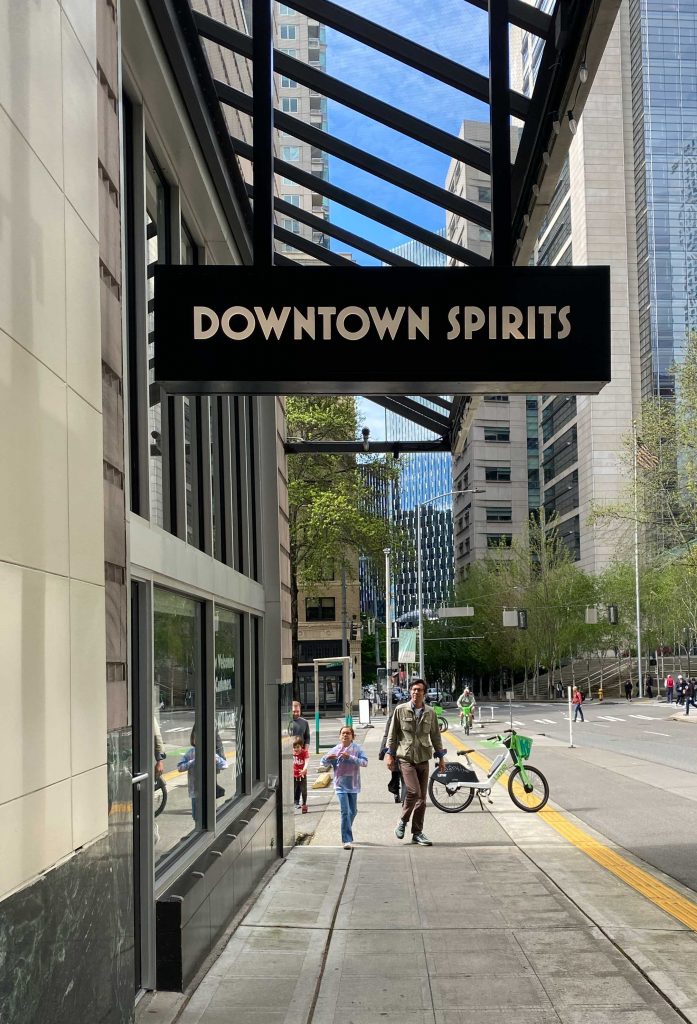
(229, 719)
(177, 701)
(189, 257)
(156, 204)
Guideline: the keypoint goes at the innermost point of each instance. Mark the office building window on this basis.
(497, 473)
(497, 434)
(495, 398)
(229, 711)
(288, 83)
(499, 515)
(288, 32)
(320, 609)
(285, 10)
(156, 251)
(290, 153)
(290, 104)
(178, 675)
(292, 200)
(497, 540)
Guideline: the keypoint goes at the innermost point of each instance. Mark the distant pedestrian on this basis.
(299, 725)
(628, 690)
(300, 758)
(577, 701)
(670, 686)
(412, 737)
(680, 690)
(649, 687)
(347, 759)
(689, 692)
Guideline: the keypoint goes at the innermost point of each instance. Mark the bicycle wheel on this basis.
(447, 797)
(539, 789)
(467, 725)
(160, 797)
(443, 723)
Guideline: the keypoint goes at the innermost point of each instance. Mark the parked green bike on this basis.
(454, 789)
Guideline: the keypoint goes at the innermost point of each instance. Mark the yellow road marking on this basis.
(661, 895)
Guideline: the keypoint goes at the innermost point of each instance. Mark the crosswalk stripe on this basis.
(611, 718)
(545, 721)
(648, 718)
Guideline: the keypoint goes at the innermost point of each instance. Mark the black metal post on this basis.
(499, 113)
(262, 27)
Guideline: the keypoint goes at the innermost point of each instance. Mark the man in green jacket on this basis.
(413, 734)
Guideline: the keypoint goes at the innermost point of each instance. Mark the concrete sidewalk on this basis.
(504, 916)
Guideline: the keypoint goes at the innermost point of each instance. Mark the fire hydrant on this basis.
(600, 693)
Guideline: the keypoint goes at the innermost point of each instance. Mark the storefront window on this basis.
(229, 711)
(177, 704)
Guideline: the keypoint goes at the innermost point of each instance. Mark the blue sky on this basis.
(451, 27)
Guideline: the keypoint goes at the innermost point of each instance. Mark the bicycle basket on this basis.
(522, 746)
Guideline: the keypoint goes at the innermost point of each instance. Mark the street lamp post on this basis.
(419, 587)
(388, 628)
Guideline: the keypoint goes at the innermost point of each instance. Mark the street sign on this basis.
(456, 613)
(352, 330)
(509, 694)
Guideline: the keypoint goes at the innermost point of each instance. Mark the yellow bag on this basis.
(322, 780)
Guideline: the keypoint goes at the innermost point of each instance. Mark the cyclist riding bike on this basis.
(466, 704)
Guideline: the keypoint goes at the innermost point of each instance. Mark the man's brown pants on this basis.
(416, 780)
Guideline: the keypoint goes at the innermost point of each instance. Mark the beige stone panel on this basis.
(86, 491)
(36, 832)
(33, 462)
(87, 677)
(32, 247)
(30, 76)
(80, 130)
(83, 313)
(90, 807)
(35, 659)
(82, 15)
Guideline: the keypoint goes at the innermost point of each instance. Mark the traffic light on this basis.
(613, 615)
(394, 649)
(354, 630)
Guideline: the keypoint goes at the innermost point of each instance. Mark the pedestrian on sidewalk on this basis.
(347, 759)
(300, 758)
(689, 690)
(413, 734)
(300, 726)
(649, 687)
(577, 701)
(680, 691)
(628, 690)
(670, 686)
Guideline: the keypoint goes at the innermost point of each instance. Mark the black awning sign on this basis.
(327, 330)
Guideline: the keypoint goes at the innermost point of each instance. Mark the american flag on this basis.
(644, 456)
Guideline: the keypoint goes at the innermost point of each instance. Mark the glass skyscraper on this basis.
(664, 113)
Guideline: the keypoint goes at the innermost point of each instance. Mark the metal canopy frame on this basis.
(574, 33)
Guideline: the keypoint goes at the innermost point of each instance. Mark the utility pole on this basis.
(344, 617)
(388, 628)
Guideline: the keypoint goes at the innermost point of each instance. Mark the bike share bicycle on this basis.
(453, 790)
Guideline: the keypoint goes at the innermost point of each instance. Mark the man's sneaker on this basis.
(400, 830)
(421, 840)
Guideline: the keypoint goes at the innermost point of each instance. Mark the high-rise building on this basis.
(304, 39)
(500, 453)
(591, 219)
(423, 488)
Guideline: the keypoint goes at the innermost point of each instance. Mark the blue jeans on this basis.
(348, 805)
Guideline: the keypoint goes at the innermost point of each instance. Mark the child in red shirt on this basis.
(300, 758)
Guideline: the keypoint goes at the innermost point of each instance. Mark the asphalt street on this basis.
(630, 774)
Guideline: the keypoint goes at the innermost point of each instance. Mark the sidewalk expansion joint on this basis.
(327, 942)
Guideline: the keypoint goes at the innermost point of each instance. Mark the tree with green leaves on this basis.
(660, 502)
(331, 507)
